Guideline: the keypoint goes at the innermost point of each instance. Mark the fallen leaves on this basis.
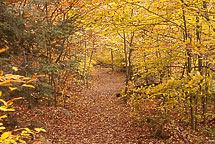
(98, 116)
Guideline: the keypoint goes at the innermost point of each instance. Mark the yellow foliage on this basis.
(25, 85)
(12, 88)
(39, 130)
(8, 137)
(5, 135)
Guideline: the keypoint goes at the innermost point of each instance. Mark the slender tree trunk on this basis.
(61, 53)
(88, 69)
(25, 62)
(112, 59)
(205, 98)
(130, 65)
(129, 57)
(85, 61)
(199, 65)
(126, 63)
(189, 64)
(91, 56)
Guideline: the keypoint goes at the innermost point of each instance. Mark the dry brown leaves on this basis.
(97, 117)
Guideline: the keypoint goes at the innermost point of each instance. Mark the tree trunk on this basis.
(199, 65)
(189, 64)
(91, 56)
(85, 62)
(130, 65)
(126, 63)
(205, 98)
(112, 60)
(129, 57)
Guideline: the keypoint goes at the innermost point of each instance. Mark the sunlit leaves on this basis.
(8, 136)
(5, 135)
(12, 88)
(2, 108)
(15, 68)
(25, 85)
(40, 130)
(3, 50)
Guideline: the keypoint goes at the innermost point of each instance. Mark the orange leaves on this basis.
(27, 15)
(57, 88)
(3, 50)
(1, 73)
(13, 1)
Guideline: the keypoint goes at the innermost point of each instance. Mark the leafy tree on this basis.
(43, 38)
(170, 45)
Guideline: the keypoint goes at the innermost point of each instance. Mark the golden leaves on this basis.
(12, 88)
(8, 79)
(5, 109)
(2, 127)
(13, 77)
(39, 130)
(5, 135)
(1, 73)
(10, 102)
(25, 85)
(6, 105)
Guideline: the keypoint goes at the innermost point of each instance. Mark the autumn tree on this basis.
(44, 37)
(170, 45)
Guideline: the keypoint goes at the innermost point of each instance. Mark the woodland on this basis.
(107, 71)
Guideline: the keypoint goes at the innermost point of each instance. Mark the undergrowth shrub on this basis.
(165, 104)
(11, 82)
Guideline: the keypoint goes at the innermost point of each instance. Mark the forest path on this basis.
(97, 117)
(101, 117)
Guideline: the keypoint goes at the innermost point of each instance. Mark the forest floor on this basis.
(102, 117)
(98, 116)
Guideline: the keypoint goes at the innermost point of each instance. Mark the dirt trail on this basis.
(102, 117)
(98, 116)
